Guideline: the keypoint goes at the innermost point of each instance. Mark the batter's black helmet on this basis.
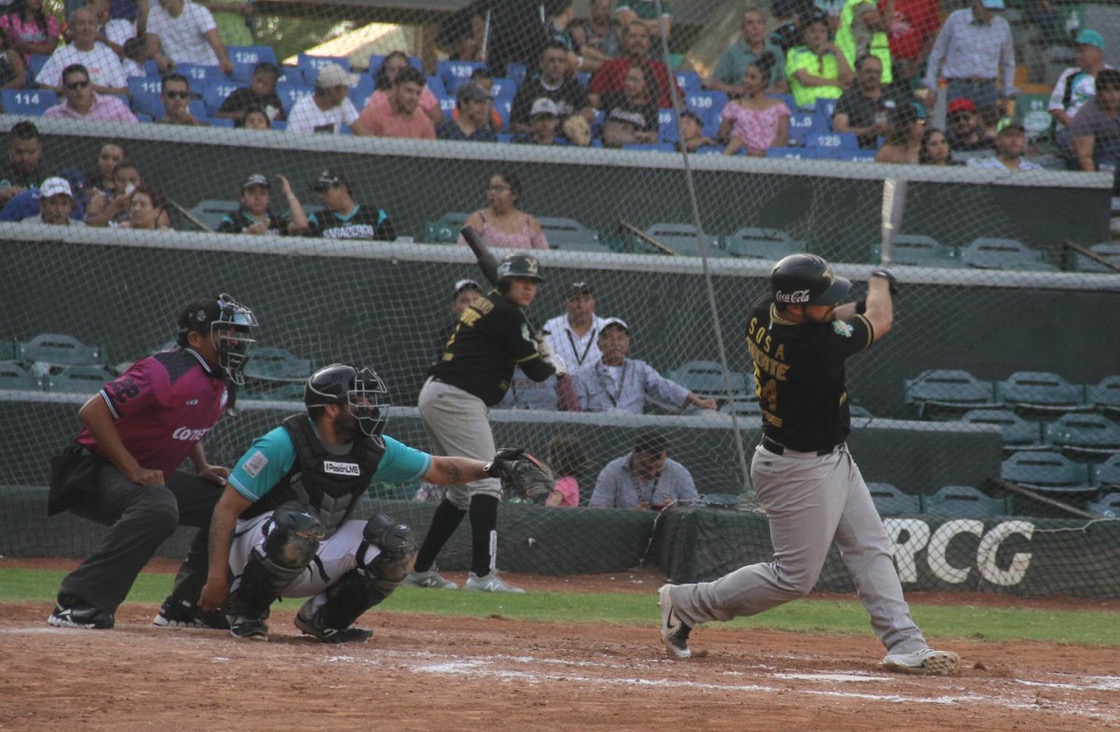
(806, 279)
(519, 265)
(362, 389)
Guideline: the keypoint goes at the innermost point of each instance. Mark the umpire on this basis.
(799, 339)
(493, 336)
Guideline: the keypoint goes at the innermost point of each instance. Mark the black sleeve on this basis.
(385, 230)
(227, 226)
(233, 102)
(522, 103)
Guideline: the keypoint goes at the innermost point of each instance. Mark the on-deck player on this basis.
(799, 338)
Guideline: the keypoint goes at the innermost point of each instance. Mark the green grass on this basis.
(807, 616)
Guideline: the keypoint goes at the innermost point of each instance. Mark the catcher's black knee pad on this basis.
(397, 545)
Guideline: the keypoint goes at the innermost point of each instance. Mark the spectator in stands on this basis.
(646, 12)
(149, 210)
(459, 37)
(611, 76)
(56, 201)
(645, 478)
(692, 133)
(864, 109)
(329, 107)
(574, 335)
(255, 215)
(26, 205)
(24, 168)
(861, 31)
(904, 137)
(1011, 143)
(965, 132)
(342, 217)
(235, 21)
(632, 117)
(551, 81)
(113, 209)
(260, 93)
(485, 80)
(463, 294)
(817, 70)
(113, 32)
(732, 65)
(911, 32)
(974, 53)
(13, 71)
(617, 383)
(135, 56)
(386, 77)
(599, 31)
(184, 32)
(254, 118)
(1096, 128)
(935, 149)
(568, 459)
(516, 33)
(175, 95)
(502, 225)
(831, 9)
(99, 60)
(398, 114)
(80, 101)
(544, 122)
(561, 27)
(472, 119)
(755, 122)
(100, 181)
(29, 30)
(1076, 86)
(790, 14)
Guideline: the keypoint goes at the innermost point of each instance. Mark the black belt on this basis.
(779, 449)
(972, 80)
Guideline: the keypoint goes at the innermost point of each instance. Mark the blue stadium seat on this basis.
(195, 106)
(279, 125)
(447, 104)
(251, 55)
(504, 87)
(308, 65)
(667, 125)
(436, 86)
(457, 73)
(688, 81)
(504, 107)
(218, 121)
(35, 64)
(838, 141)
(216, 91)
(291, 93)
(708, 105)
(786, 153)
(14, 377)
(682, 238)
(858, 156)
(516, 72)
(947, 392)
(505, 137)
(584, 78)
(801, 125)
(49, 351)
(651, 147)
(362, 91)
(198, 74)
(31, 102)
(788, 99)
(144, 93)
(891, 501)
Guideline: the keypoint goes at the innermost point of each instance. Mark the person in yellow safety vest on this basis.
(862, 31)
(818, 69)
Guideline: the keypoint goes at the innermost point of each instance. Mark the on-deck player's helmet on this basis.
(806, 279)
(518, 265)
(228, 321)
(362, 389)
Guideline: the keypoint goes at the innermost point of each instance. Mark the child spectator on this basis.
(817, 70)
(260, 93)
(255, 119)
(692, 133)
(544, 121)
(568, 459)
(755, 122)
(935, 149)
(29, 29)
(135, 56)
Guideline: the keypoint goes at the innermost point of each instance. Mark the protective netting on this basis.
(996, 377)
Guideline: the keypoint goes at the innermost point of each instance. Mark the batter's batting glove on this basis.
(888, 276)
(523, 474)
(544, 348)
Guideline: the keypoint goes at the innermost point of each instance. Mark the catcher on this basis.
(283, 525)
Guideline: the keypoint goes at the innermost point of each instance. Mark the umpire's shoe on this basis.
(183, 614)
(926, 661)
(674, 631)
(315, 628)
(73, 612)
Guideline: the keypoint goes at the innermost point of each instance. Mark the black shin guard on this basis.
(484, 520)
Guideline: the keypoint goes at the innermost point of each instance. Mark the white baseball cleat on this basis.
(926, 661)
(431, 579)
(489, 583)
(674, 631)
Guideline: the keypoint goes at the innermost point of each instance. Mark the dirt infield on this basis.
(429, 673)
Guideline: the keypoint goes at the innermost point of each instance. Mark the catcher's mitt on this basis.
(523, 474)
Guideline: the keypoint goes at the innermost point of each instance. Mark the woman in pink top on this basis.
(387, 74)
(502, 224)
(755, 122)
(567, 458)
(29, 29)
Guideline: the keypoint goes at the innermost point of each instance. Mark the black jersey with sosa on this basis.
(799, 375)
(491, 337)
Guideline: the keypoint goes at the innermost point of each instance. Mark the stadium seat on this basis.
(825, 109)
(291, 93)
(985, 253)
(652, 147)
(858, 156)
(198, 74)
(708, 105)
(362, 91)
(667, 126)
(516, 72)
(947, 392)
(801, 125)
(963, 501)
(1018, 433)
(891, 501)
(445, 229)
(1107, 474)
(855, 411)
(277, 365)
(251, 55)
(30, 102)
(219, 122)
(584, 78)
(788, 99)
(51, 350)
(688, 81)
(1040, 392)
(919, 250)
(789, 153)
(1044, 469)
(758, 243)
(456, 73)
(682, 239)
(838, 141)
(1108, 506)
(745, 406)
(1033, 110)
(211, 212)
(1108, 251)
(14, 377)
(79, 380)
(309, 65)
(1084, 435)
(705, 378)
(504, 87)
(144, 93)
(504, 107)
(436, 86)
(1105, 395)
(567, 233)
(215, 91)
(10, 350)
(35, 64)
(447, 104)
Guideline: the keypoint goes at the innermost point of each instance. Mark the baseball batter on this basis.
(473, 374)
(799, 338)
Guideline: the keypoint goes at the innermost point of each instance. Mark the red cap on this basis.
(960, 105)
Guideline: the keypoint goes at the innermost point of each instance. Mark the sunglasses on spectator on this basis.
(76, 85)
(178, 94)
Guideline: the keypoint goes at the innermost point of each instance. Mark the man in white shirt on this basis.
(182, 32)
(574, 335)
(1011, 141)
(329, 107)
(98, 59)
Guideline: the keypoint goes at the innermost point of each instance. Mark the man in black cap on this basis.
(342, 217)
(254, 216)
(472, 119)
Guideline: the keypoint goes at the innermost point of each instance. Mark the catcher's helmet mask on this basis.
(806, 279)
(229, 325)
(362, 390)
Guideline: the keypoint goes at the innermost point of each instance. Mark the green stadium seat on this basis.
(759, 243)
(569, 234)
(1038, 469)
(919, 250)
(1104, 396)
(1109, 251)
(211, 211)
(1040, 392)
(277, 365)
(705, 378)
(1018, 433)
(1107, 474)
(1084, 435)
(445, 229)
(891, 501)
(11, 350)
(1033, 110)
(986, 253)
(1108, 506)
(682, 239)
(947, 392)
(53, 350)
(963, 501)
(79, 380)
(744, 406)
(14, 377)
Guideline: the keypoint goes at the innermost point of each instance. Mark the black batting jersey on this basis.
(799, 375)
(364, 222)
(491, 337)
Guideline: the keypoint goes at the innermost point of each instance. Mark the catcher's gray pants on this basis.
(458, 424)
(140, 518)
(811, 501)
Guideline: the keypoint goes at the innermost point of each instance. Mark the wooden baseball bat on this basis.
(1091, 255)
(190, 217)
(1015, 488)
(648, 239)
(894, 204)
(487, 262)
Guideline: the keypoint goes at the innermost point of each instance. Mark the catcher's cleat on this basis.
(251, 628)
(490, 583)
(72, 612)
(183, 614)
(333, 635)
(430, 579)
(674, 631)
(926, 661)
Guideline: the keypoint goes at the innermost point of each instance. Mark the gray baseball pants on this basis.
(811, 501)
(458, 424)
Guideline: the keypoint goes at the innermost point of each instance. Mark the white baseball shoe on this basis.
(490, 583)
(430, 579)
(926, 661)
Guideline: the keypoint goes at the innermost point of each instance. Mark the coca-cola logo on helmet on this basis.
(794, 298)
